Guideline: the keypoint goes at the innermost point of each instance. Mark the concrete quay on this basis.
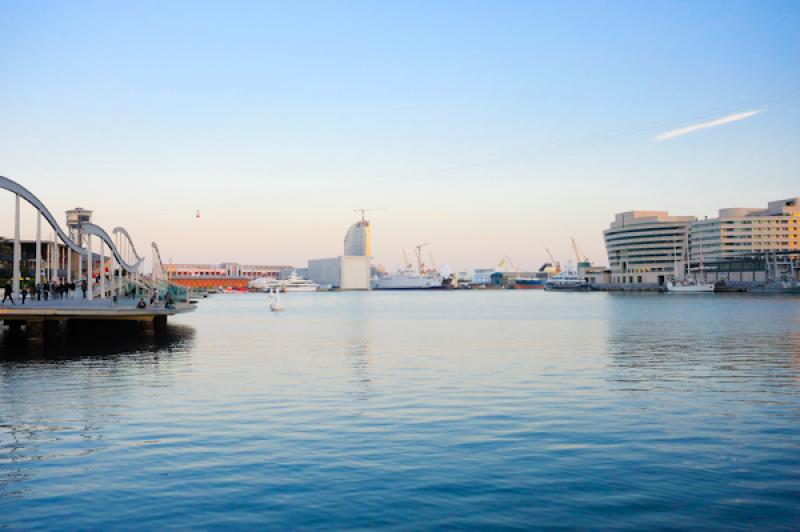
(37, 320)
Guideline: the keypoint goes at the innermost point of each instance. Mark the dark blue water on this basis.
(476, 409)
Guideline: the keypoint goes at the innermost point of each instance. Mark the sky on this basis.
(484, 128)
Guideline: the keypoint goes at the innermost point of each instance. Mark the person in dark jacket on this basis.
(8, 294)
(84, 288)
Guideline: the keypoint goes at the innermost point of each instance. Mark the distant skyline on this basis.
(484, 128)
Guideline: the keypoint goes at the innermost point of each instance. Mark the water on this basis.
(495, 409)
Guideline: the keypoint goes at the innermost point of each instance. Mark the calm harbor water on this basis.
(484, 409)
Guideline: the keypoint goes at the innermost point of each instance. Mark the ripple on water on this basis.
(491, 409)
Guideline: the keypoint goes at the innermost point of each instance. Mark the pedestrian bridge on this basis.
(109, 283)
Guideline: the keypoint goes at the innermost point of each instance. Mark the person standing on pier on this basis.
(84, 287)
(23, 293)
(7, 294)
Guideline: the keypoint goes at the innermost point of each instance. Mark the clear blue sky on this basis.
(486, 128)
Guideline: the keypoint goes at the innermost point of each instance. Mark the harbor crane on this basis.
(578, 254)
(418, 252)
(405, 261)
(553, 261)
(507, 259)
(362, 211)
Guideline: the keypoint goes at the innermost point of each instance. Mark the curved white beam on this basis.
(98, 231)
(122, 231)
(28, 196)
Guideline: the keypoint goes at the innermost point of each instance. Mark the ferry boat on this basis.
(411, 279)
(408, 280)
(567, 281)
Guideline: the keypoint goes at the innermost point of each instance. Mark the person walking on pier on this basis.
(23, 293)
(8, 294)
(84, 287)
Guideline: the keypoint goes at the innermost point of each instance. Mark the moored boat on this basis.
(689, 286)
(568, 282)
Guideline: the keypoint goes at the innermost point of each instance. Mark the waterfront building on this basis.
(352, 270)
(741, 243)
(644, 247)
(743, 247)
(226, 275)
(358, 240)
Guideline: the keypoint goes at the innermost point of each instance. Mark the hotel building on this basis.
(743, 243)
(644, 246)
(741, 246)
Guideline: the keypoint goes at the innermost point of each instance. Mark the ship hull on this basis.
(529, 284)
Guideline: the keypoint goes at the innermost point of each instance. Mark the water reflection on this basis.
(665, 343)
(84, 380)
(105, 340)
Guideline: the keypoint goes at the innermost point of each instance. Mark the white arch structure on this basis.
(88, 228)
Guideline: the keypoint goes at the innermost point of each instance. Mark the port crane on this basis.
(553, 261)
(418, 252)
(578, 254)
(405, 261)
(507, 259)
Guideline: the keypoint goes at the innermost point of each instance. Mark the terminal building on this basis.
(742, 246)
(350, 271)
(644, 246)
(226, 275)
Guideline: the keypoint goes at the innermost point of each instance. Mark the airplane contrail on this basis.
(705, 125)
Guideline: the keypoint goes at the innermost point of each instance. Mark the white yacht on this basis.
(566, 281)
(295, 283)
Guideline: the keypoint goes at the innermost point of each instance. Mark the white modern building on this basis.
(350, 271)
(644, 246)
(358, 240)
(742, 245)
(342, 273)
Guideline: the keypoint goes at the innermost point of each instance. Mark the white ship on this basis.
(567, 281)
(684, 283)
(295, 283)
(410, 279)
(689, 286)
